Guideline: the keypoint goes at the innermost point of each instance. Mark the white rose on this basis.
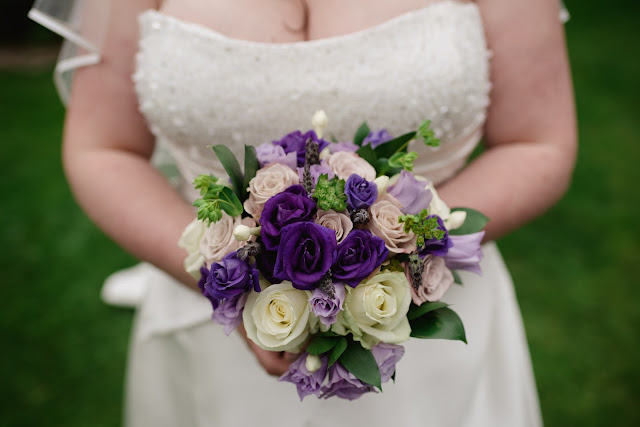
(383, 222)
(344, 164)
(269, 181)
(336, 221)
(219, 240)
(190, 241)
(376, 310)
(278, 318)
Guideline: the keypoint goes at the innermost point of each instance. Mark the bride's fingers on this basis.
(272, 362)
(290, 357)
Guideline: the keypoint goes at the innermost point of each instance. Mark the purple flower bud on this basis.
(349, 147)
(344, 384)
(306, 382)
(229, 312)
(387, 355)
(377, 138)
(327, 308)
(466, 252)
(437, 247)
(268, 153)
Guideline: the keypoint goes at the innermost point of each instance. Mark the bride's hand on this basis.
(274, 362)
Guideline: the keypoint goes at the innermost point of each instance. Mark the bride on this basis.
(185, 74)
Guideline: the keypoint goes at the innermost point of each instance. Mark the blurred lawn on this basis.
(576, 268)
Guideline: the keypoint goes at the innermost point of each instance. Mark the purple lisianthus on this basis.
(229, 278)
(306, 382)
(229, 312)
(344, 384)
(316, 171)
(286, 208)
(437, 247)
(295, 142)
(268, 153)
(360, 193)
(359, 254)
(306, 253)
(387, 356)
(466, 252)
(266, 261)
(412, 193)
(349, 147)
(377, 138)
(327, 308)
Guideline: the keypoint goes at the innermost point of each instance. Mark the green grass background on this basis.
(63, 351)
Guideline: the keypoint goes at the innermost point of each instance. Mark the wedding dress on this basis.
(196, 88)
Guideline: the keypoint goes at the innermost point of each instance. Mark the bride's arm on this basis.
(531, 129)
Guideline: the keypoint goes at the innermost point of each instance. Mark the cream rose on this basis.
(269, 181)
(436, 280)
(278, 318)
(190, 241)
(383, 222)
(336, 221)
(376, 310)
(344, 164)
(218, 239)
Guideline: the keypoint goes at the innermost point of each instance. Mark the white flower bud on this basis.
(319, 122)
(242, 233)
(381, 182)
(313, 363)
(325, 153)
(455, 220)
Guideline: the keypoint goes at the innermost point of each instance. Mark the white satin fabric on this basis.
(197, 87)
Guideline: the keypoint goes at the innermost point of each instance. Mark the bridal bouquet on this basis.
(334, 250)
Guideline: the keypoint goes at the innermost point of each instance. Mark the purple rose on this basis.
(466, 252)
(377, 138)
(229, 312)
(411, 193)
(295, 142)
(327, 308)
(286, 208)
(229, 278)
(343, 146)
(359, 254)
(360, 193)
(387, 355)
(344, 384)
(306, 253)
(306, 382)
(316, 171)
(269, 153)
(437, 247)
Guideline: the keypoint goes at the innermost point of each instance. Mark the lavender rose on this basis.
(229, 312)
(269, 181)
(436, 280)
(411, 193)
(359, 255)
(283, 209)
(295, 142)
(437, 247)
(387, 356)
(229, 278)
(384, 224)
(268, 153)
(306, 253)
(337, 221)
(377, 138)
(344, 384)
(360, 193)
(345, 164)
(307, 378)
(466, 252)
(325, 308)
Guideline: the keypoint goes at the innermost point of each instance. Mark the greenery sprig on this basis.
(428, 136)
(423, 226)
(403, 160)
(330, 193)
(215, 198)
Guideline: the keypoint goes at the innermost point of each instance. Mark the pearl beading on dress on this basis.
(198, 88)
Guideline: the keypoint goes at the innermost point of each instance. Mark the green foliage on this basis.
(215, 199)
(441, 323)
(367, 153)
(330, 193)
(337, 350)
(403, 160)
(361, 134)
(232, 167)
(251, 165)
(416, 311)
(361, 363)
(396, 145)
(395, 264)
(320, 345)
(456, 277)
(474, 223)
(426, 133)
(422, 226)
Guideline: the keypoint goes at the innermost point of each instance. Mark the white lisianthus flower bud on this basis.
(313, 363)
(382, 182)
(455, 220)
(190, 241)
(319, 122)
(242, 233)
(325, 153)
(437, 205)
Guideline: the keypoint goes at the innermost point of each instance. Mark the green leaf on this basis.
(367, 153)
(320, 345)
(456, 277)
(337, 350)
(398, 144)
(329, 334)
(474, 222)
(230, 203)
(442, 323)
(361, 134)
(361, 363)
(416, 311)
(251, 164)
(232, 167)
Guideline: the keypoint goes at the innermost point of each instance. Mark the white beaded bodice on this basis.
(198, 88)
